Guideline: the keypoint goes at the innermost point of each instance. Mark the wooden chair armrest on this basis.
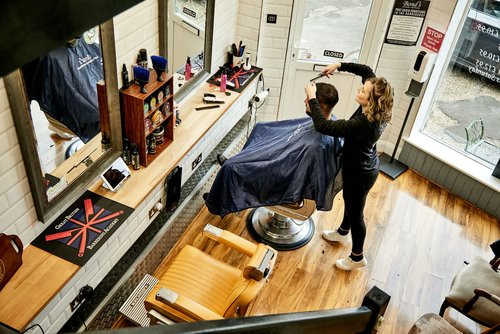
(230, 239)
(186, 305)
(492, 330)
(495, 263)
(261, 263)
(480, 293)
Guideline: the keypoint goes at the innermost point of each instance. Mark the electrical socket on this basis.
(156, 208)
(196, 162)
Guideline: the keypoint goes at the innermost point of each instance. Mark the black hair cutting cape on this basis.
(282, 163)
(65, 87)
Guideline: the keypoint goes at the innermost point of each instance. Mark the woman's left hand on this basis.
(310, 91)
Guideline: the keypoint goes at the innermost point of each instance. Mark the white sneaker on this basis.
(333, 235)
(348, 264)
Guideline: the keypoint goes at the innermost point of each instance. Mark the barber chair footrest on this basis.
(280, 234)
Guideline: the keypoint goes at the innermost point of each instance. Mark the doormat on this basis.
(78, 233)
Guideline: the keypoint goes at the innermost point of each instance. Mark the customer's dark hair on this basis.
(327, 95)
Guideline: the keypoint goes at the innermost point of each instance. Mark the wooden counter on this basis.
(43, 275)
(193, 127)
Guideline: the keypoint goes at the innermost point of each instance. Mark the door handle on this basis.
(318, 67)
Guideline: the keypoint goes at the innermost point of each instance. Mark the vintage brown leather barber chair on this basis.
(195, 286)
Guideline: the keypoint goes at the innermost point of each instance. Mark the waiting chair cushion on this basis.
(431, 323)
(478, 274)
(203, 279)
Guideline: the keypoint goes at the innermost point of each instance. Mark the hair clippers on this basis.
(211, 98)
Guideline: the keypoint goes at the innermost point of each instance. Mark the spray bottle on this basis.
(187, 69)
(223, 81)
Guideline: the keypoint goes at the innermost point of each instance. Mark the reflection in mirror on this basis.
(187, 27)
(62, 88)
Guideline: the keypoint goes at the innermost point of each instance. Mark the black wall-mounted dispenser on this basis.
(173, 188)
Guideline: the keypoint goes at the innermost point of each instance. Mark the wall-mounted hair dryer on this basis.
(261, 96)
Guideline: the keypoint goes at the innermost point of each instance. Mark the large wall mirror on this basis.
(68, 136)
(186, 34)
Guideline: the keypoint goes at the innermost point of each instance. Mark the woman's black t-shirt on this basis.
(360, 135)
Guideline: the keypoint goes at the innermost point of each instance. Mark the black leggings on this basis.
(356, 187)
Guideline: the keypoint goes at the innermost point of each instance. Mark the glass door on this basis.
(323, 32)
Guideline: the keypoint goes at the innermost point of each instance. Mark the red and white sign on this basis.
(432, 39)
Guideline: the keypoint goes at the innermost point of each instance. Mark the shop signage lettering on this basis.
(334, 54)
(432, 39)
(189, 12)
(484, 58)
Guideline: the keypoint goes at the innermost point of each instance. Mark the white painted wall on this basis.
(134, 29)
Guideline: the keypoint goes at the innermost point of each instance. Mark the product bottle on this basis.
(105, 144)
(152, 145)
(246, 65)
(126, 155)
(143, 54)
(135, 157)
(187, 69)
(125, 80)
(223, 81)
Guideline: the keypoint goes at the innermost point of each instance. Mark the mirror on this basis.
(188, 41)
(66, 141)
(66, 116)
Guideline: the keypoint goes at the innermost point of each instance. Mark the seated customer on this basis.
(282, 163)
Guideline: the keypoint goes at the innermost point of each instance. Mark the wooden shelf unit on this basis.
(135, 119)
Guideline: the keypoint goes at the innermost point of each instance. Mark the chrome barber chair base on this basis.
(278, 231)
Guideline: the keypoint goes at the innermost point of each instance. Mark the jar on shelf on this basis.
(166, 109)
(148, 124)
(158, 135)
(157, 117)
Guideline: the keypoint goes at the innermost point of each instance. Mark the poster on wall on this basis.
(432, 39)
(406, 23)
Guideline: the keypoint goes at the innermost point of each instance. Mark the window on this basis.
(465, 114)
(333, 30)
(192, 11)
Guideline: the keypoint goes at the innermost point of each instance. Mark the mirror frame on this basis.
(20, 108)
(209, 36)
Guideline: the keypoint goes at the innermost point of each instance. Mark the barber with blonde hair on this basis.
(360, 166)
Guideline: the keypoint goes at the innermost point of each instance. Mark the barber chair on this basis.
(475, 292)
(283, 227)
(59, 128)
(197, 287)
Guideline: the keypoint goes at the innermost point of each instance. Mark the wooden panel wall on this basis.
(451, 179)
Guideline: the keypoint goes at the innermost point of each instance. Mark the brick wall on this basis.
(17, 211)
(134, 29)
(273, 40)
(225, 19)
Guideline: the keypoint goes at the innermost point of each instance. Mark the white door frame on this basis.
(372, 45)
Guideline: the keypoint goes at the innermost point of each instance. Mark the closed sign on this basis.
(334, 54)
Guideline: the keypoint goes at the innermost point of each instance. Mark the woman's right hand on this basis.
(331, 68)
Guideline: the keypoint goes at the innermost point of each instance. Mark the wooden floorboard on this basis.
(418, 236)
